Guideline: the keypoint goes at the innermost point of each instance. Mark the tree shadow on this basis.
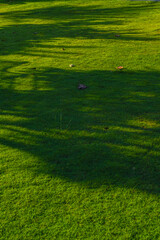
(106, 134)
(70, 22)
(18, 2)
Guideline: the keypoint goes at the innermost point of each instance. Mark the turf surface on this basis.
(79, 164)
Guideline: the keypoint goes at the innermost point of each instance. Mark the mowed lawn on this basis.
(79, 164)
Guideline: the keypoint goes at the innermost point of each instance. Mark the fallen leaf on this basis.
(117, 35)
(82, 86)
(120, 67)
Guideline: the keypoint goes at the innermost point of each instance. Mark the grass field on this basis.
(79, 164)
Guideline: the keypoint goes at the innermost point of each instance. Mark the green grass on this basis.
(79, 164)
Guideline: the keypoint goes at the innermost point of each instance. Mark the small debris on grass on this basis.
(72, 65)
(82, 86)
(120, 68)
(117, 35)
(63, 49)
(106, 128)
